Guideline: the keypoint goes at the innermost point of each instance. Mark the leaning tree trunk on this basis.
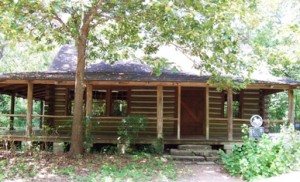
(77, 126)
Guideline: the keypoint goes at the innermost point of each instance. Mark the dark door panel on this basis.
(192, 111)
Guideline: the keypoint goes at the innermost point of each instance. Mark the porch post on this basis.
(160, 111)
(29, 109)
(12, 111)
(291, 115)
(229, 115)
(207, 112)
(178, 112)
(89, 105)
(41, 113)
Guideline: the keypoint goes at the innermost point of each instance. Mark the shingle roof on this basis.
(64, 65)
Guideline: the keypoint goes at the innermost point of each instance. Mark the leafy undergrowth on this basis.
(90, 167)
(264, 158)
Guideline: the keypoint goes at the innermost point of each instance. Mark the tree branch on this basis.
(56, 17)
(89, 16)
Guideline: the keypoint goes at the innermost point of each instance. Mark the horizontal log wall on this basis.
(61, 125)
(142, 101)
(251, 101)
(217, 124)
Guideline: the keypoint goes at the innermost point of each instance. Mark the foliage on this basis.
(278, 106)
(212, 31)
(157, 147)
(69, 171)
(41, 166)
(266, 157)
(21, 169)
(109, 149)
(145, 168)
(22, 57)
(20, 108)
(276, 37)
(276, 40)
(129, 129)
(88, 138)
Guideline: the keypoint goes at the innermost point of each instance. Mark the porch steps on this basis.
(200, 154)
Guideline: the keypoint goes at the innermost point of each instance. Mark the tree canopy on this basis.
(216, 34)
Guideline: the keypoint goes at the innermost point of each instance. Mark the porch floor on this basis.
(40, 136)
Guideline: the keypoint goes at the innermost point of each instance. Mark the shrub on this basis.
(157, 147)
(266, 157)
(129, 129)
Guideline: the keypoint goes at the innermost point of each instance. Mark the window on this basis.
(118, 103)
(99, 103)
(105, 102)
(235, 105)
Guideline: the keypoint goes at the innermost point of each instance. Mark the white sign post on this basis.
(256, 130)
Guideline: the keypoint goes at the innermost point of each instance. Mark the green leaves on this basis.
(208, 30)
(265, 158)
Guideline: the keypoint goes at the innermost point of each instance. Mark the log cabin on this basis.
(181, 107)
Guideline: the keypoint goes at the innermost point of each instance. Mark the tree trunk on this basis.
(77, 126)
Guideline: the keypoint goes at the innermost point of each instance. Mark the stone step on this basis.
(213, 158)
(195, 147)
(195, 162)
(187, 158)
(194, 152)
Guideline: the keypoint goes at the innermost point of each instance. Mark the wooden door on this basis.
(192, 111)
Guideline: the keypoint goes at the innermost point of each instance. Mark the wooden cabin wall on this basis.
(251, 102)
(49, 105)
(217, 127)
(142, 101)
(170, 111)
(251, 105)
(63, 125)
(57, 106)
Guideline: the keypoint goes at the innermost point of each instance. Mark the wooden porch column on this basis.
(12, 111)
(160, 108)
(89, 105)
(207, 112)
(178, 112)
(291, 115)
(41, 113)
(229, 114)
(29, 109)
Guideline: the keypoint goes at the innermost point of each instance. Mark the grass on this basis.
(142, 168)
(90, 167)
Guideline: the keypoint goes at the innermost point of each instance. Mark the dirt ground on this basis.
(203, 173)
(45, 162)
(186, 173)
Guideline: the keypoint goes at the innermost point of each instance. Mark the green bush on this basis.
(157, 147)
(129, 129)
(266, 157)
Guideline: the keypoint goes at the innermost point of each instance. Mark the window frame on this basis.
(236, 97)
(109, 99)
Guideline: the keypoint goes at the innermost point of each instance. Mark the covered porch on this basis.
(178, 112)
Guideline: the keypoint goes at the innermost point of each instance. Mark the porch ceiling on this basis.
(20, 90)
